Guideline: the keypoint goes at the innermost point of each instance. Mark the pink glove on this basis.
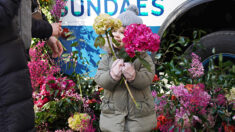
(128, 71)
(116, 69)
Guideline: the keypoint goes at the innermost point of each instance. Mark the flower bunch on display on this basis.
(55, 89)
(40, 66)
(203, 105)
(140, 38)
(79, 122)
(56, 97)
(57, 9)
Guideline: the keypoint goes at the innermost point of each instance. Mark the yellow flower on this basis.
(103, 22)
(117, 24)
(231, 95)
(79, 121)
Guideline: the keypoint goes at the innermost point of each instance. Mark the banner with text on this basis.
(79, 16)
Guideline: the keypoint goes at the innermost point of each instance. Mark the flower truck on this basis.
(210, 23)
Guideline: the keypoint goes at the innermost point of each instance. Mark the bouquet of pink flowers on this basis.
(139, 38)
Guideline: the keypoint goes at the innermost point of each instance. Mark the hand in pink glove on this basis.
(116, 69)
(128, 71)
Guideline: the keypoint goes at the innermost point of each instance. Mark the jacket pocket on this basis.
(107, 107)
(146, 108)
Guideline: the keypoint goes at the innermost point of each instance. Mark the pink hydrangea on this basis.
(139, 38)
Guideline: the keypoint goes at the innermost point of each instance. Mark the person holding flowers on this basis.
(125, 109)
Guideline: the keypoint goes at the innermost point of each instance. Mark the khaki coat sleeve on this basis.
(143, 77)
(103, 77)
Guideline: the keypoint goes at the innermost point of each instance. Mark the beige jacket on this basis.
(118, 112)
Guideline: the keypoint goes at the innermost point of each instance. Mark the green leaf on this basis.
(158, 56)
(194, 34)
(213, 50)
(115, 42)
(171, 45)
(144, 62)
(181, 40)
(181, 122)
(171, 127)
(177, 129)
(68, 33)
(56, 92)
(193, 129)
(220, 60)
(71, 38)
(221, 112)
(123, 54)
(68, 100)
(65, 55)
(99, 41)
(178, 48)
(69, 65)
(110, 33)
(75, 44)
(177, 72)
(81, 40)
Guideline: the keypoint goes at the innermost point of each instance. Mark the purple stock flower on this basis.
(57, 9)
(196, 69)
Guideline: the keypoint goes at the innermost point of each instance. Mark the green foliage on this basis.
(174, 45)
(99, 41)
(144, 62)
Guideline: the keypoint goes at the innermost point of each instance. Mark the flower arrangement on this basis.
(57, 97)
(79, 121)
(199, 105)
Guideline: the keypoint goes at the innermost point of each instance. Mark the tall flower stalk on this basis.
(196, 69)
(57, 9)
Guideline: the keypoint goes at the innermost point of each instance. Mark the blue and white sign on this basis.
(80, 14)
